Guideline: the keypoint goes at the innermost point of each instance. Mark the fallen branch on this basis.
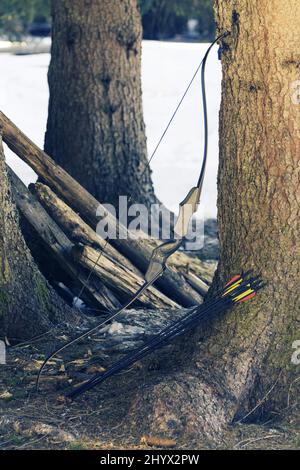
(136, 249)
(74, 226)
(119, 278)
(58, 245)
(113, 277)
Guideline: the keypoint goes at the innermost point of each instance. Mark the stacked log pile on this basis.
(63, 218)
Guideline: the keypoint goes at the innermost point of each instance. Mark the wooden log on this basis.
(114, 269)
(112, 274)
(74, 226)
(59, 246)
(136, 249)
(187, 264)
(197, 283)
(119, 278)
(78, 231)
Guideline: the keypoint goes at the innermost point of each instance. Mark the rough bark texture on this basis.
(28, 305)
(95, 126)
(240, 368)
(259, 215)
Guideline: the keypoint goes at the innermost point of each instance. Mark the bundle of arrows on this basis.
(240, 289)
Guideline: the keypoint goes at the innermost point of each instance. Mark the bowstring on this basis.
(153, 154)
(160, 140)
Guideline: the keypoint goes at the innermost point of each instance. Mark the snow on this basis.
(24, 99)
(166, 71)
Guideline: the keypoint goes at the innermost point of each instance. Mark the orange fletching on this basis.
(233, 280)
(250, 296)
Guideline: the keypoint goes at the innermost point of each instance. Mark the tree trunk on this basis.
(95, 127)
(259, 162)
(28, 306)
(240, 368)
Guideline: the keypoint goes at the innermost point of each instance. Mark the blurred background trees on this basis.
(161, 19)
(164, 19)
(17, 16)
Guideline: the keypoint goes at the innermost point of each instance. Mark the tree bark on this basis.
(28, 306)
(95, 126)
(240, 367)
(259, 215)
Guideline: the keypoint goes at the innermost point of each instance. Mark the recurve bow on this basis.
(161, 254)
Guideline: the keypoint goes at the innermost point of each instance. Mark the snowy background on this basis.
(166, 70)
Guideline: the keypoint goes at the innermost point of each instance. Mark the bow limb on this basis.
(142, 289)
(187, 208)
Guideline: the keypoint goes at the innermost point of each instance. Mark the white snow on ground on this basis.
(166, 70)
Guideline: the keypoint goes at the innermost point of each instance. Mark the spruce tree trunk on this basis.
(95, 126)
(259, 197)
(240, 368)
(28, 306)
